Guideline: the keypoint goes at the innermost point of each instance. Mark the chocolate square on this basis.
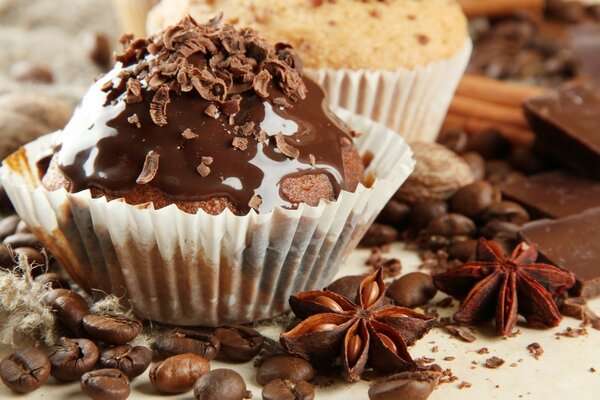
(571, 243)
(567, 127)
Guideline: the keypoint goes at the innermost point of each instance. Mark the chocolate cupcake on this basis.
(206, 117)
(204, 179)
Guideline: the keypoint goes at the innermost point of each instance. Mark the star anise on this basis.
(501, 286)
(359, 333)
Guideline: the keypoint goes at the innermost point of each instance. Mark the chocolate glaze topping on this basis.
(204, 111)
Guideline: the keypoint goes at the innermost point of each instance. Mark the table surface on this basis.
(563, 371)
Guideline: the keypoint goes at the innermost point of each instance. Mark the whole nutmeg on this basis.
(412, 290)
(438, 173)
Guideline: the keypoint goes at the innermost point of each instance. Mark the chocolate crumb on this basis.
(423, 39)
(246, 129)
(212, 111)
(107, 87)
(240, 143)
(513, 365)
(572, 332)
(232, 106)
(149, 169)
(262, 136)
(592, 369)
(207, 160)
(494, 362)
(158, 107)
(133, 93)
(134, 120)
(285, 148)
(464, 385)
(536, 350)
(255, 202)
(435, 349)
(460, 333)
(483, 350)
(345, 142)
(261, 83)
(391, 267)
(188, 134)
(449, 358)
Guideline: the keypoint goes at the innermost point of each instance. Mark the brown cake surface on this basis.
(206, 117)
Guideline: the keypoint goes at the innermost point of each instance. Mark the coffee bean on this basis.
(463, 251)
(22, 227)
(347, 286)
(395, 213)
(178, 374)
(490, 144)
(472, 199)
(25, 71)
(506, 211)
(282, 366)
(8, 226)
(239, 343)
(111, 329)
(105, 384)
(71, 358)
(21, 240)
(97, 47)
(181, 341)
(6, 260)
(53, 279)
(524, 160)
(36, 260)
(496, 229)
(447, 229)
(496, 171)
(422, 214)
(280, 389)
(476, 163)
(221, 384)
(70, 308)
(132, 361)
(412, 290)
(378, 235)
(25, 370)
(594, 11)
(413, 389)
(455, 140)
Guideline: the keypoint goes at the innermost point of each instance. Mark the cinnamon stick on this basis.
(473, 125)
(489, 111)
(495, 91)
(495, 8)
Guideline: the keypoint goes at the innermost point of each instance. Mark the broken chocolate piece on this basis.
(572, 244)
(554, 194)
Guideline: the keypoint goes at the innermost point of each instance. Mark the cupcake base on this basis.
(199, 269)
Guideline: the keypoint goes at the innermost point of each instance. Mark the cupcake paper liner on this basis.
(413, 102)
(133, 14)
(200, 269)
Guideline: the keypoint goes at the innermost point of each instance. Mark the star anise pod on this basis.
(359, 333)
(501, 286)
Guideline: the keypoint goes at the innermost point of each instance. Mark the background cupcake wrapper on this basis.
(201, 269)
(413, 102)
(133, 14)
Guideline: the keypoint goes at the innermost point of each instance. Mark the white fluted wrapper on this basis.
(200, 269)
(413, 102)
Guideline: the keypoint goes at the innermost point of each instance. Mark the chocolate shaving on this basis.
(203, 170)
(255, 202)
(188, 134)
(261, 83)
(281, 102)
(261, 136)
(312, 160)
(133, 94)
(158, 107)
(246, 129)
(461, 333)
(240, 143)
(345, 142)
(212, 111)
(107, 86)
(149, 169)
(285, 148)
(232, 106)
(134, 120)
(207, 160)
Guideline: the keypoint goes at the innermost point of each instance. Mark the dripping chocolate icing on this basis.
(106, 143)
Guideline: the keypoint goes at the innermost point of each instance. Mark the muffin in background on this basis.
(132, 14)
(180, 113)
(397, 61)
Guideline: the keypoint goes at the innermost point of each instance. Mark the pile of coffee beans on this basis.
(449, 229)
